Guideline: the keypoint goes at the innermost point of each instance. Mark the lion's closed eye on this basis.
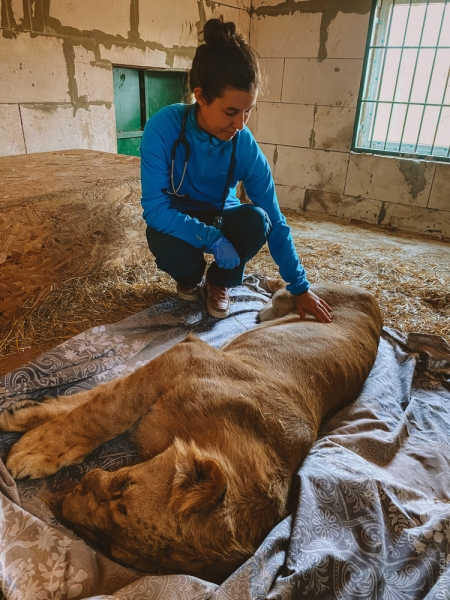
(126, 485)
(123, 488)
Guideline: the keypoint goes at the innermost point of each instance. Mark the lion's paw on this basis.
(23, 463)
(42, 452)
(17, 416)
(28, 414)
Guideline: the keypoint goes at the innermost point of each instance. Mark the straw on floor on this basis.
(413, 291)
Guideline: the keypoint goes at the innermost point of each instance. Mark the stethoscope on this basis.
(182, 141)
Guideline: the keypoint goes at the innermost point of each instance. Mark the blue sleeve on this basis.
(260, 187)
(156, 147)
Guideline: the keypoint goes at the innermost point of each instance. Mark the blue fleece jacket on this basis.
(204, 181)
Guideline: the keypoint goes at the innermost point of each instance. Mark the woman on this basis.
(192, 157)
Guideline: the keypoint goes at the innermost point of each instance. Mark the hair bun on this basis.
(224, 60)
(218, 33)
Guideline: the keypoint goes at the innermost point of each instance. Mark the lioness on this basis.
(221, 434)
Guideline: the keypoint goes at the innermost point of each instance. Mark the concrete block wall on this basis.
(56, 58)
(312, 54)
(56, 93)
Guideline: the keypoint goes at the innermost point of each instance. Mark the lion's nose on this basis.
(101, 486)
(89, 483)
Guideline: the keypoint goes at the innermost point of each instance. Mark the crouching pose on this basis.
(221, 434)
(192, 158)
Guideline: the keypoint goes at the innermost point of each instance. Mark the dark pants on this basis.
(246, 226)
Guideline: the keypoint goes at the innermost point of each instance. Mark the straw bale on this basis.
(64, 214)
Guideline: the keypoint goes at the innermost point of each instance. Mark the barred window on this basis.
(404, 104)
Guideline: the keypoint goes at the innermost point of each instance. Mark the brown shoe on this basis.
(217, 301)
(187, 293)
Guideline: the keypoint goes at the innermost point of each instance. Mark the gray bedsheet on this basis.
(373, 515)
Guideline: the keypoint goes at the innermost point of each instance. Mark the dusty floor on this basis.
(409, 275)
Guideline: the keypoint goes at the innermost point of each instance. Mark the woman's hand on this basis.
(225, 255)
(312, 304)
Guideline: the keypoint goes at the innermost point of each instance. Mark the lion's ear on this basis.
(199, 481)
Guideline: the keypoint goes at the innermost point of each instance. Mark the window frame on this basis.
(360, 104)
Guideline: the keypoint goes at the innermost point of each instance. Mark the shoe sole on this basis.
(187, 297)
(217, 314)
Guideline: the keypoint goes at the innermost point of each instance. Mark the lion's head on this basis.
(167, 515)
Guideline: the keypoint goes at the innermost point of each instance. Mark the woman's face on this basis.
(227, 114)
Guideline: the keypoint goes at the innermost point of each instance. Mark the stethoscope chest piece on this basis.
(218, 222)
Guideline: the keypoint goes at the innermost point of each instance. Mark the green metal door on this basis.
(163, 88)
(139, 94)
(127, 100)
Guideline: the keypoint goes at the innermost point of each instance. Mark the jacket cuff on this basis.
(212, 239)
(299, 288)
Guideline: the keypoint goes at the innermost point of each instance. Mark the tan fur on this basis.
(281, 304)
(221, 434)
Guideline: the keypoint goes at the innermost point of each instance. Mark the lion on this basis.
(221, 434)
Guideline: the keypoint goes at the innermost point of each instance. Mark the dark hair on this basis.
(225, 59)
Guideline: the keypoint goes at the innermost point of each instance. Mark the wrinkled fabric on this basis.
(373, 512)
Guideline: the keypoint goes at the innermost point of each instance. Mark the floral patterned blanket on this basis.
(373, 514)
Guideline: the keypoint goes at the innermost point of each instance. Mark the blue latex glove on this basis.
(225, 255)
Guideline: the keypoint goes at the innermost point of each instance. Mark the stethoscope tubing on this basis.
(175, 191)
(182, 140)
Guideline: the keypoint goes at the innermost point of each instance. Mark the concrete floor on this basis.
(369, 238)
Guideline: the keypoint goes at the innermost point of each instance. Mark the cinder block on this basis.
(290, 35)
(259, 3)
(101, 124)
(331, 82)
(170, 24)
(94, 83)
(134, 57)
(252, 123)
(418, 220)
(390, 179)
(333, 128)
(290, 197)
(11, 136)
(17, 11)
(271, 153)
(286, 124)
(52, 127)
(245, 4)
(182, 63)
(343, 207)
(305, 168)
(241, 18)
(347, 35)
(32, 70)
(108, 16)
(83, 55)
(440, 192)
(272, 79)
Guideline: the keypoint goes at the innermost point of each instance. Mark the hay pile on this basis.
(413, 291)
(61, 311)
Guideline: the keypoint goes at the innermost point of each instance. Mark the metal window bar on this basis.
(412, 85)
(411, 47)
(445, 86)
(371, 70)
(376, 68)
(398, 72)
(440, 114)
(429, 86)
(382, 64)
